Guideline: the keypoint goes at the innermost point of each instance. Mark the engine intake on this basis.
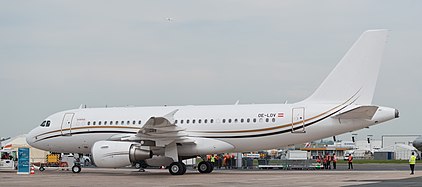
(118, 154)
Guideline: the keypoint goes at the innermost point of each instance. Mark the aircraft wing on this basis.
(163, 130)
(361, 112)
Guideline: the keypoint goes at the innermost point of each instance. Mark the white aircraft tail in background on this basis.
(163, 136)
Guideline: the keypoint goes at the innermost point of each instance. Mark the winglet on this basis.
(170, 116)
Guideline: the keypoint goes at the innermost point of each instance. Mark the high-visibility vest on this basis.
(350, 158)
(212, 159)
(412, 159)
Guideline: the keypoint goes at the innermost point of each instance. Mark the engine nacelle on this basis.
(113, 154)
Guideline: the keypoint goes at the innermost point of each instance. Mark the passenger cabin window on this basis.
(93, 123)
(254, 120)
(181, 121)
(241, 120)
(105, 122)
(248, 120)
(187, 121)
(267, 120)
(134, 122)
(111, 122)
(128, 122)
(89, 123)
(193, 121)
(139, 122)
(224, 120)
(273, 119)
(212, 121)
(199, 121)
(230, 120)
(122, 123)
(235, 120)
(99, 123)
(205, 120)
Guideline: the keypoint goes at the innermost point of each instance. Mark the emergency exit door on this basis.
(67, 124)
(298, 120)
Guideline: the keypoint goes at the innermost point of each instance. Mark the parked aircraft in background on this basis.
(163, 136)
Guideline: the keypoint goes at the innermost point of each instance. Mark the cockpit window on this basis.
(45, 123)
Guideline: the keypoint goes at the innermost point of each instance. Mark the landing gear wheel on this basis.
(205, 167)
(184, 167)
(138, 165)
(76, 169)
(212, 167)
(177, 168)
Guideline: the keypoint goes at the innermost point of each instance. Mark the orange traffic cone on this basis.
(32, 170)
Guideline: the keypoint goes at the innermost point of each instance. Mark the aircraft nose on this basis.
(30, 139)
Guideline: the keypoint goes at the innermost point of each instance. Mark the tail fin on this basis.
(356, 74)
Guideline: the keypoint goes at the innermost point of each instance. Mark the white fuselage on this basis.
(246, 127)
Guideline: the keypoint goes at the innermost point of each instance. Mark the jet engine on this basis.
(113, 154)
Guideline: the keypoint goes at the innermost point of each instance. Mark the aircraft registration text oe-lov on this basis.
(163, 136)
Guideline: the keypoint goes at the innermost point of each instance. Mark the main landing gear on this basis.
(177, 168)
(76, 168)
(205, 167)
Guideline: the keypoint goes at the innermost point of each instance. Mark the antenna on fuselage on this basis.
(237, 102)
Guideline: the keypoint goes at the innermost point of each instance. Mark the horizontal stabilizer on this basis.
(361, 112)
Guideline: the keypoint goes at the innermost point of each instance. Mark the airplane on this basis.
(165, 135)
(418, 143)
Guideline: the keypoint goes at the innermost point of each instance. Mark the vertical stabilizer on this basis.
(356, 73)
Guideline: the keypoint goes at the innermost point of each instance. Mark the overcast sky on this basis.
(56, 55)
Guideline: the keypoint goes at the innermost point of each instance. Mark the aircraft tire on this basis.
(138, 165)
(177, 168)
(76, 169)
(211, 167)
(205, 167)
(183, 167)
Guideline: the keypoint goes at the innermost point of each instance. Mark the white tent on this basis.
(401, 151)
(19, 141)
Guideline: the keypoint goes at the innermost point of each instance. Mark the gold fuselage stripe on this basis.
(236, 131)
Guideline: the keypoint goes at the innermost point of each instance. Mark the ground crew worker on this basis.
(350, 161)
(319, 161)
(212, 160)
(328, 161)
(232, 161)
(219, 161)
(334, 161)
(412, 162)
(226, 160)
